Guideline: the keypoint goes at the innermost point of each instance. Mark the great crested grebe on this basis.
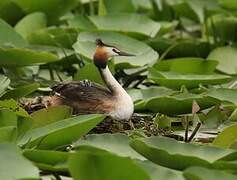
(86, 97)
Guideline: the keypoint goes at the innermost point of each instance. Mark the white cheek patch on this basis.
(110, 51)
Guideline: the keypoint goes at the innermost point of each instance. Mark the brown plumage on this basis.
(83, 96)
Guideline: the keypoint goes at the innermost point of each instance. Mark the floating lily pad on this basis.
(23, 169)
(52, 8)
(227, 137)
(187, 65)
(114, 143)
(48, 160)
(201, 173)
(179, 103)
(137, 25)
(178, 155)
(223, 94)
(226, 56)
(9, 37)
(95, 164)
(24, 57)
(54, 36)
(21, 91)
(31, 23)
(68, 130)
(176, 80)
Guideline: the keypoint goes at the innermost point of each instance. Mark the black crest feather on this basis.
(99, 42)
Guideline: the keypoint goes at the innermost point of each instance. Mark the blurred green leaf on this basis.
(178, 155)
(54, 36)
(48, 160)
(226, 56)
(221, 27)
(157, 172)
(8, 134)
(68, 130)
(176, 80)
(21, 91)
(81, 22)
(227, 137)
(23, 57)
(13, 106)
(223, 94)
(101, 165)
(114, 143)
(178, 104)
(9, 37)
(201, 173)
(7, 118)
(10, 12)
(111, 7)
(229, 4)
(12, 159)
(187, 65)
(31, 23)
(50, 115)
(137, 25)
(4, 81)
(52, 8)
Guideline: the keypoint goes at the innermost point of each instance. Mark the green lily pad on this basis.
(178, 155)
(48, 160)
(176, 80)
(141, 96)
(9, 37)
(8, 134)
(114, 143)
(94, 164)
(54, 36)
(6, 9)
(229, 4)
(144, 55)
(13, 159)
(52, 8)
(109, 7)
(157, 172)
(227, 137)
(223, 94)
(137, 25)
(31, 23)
(13, 106)
(68, 130)
(201, 173)
(178, 104)
(50, 115)
(187, 65)
(21, 91)
(226, 57)
(24, 57)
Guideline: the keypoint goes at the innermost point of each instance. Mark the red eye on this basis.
(114, 50)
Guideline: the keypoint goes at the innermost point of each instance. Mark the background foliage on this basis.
(183, 75)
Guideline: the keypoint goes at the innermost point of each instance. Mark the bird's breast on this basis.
(123, 108)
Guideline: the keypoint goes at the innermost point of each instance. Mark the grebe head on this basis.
(104, 52)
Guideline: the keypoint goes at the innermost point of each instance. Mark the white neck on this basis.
(123, 108)
(111, 82)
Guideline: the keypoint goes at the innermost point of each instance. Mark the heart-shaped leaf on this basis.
(177, 155)
(23, 169)
(68, 130)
